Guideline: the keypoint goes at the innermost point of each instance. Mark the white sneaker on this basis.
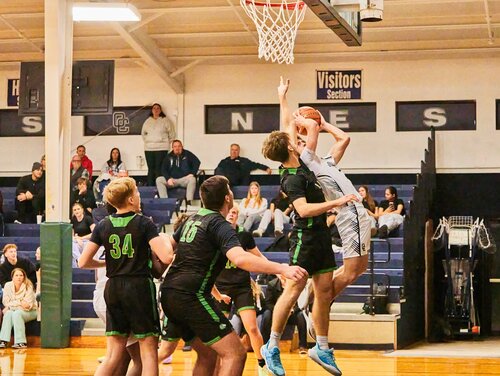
(336, 249)
(257, 233)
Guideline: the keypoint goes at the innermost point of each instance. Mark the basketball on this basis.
(310, 113)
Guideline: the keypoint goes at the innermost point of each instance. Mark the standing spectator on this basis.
(12, 261)
(2, 225)
(114, 167)
(278, 212)
(84, 196)
(179, 169)
(83, 225)
(157, 134)
(77, 171)
(86, 162)
(30, 195)
(252, 208)
(390, 212)
(237, 169)
(20, 307)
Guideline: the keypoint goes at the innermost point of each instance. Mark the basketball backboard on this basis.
(340, 18)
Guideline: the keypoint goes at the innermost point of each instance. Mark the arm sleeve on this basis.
(255, 165)
(225, 236)
(96, 234)
(3, 276)
(384, 204)
(295, 187)
(21, 186)
(219, 170)
(177, 234)
(151, 230)
(7, 295)
(195, 163)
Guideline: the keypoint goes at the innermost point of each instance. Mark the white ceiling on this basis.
(189, 32)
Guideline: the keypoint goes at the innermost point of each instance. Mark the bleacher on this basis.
(388, 253)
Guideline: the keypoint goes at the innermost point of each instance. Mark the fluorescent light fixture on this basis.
(105, 12)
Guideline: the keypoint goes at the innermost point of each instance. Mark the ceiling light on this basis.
(105, 12)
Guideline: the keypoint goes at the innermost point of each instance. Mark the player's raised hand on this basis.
(295, 273)
(283, 87)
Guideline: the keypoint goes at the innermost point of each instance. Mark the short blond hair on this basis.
(118, 191)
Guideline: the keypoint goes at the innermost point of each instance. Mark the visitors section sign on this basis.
(338, 85)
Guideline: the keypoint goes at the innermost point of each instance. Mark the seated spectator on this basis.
(86, 162)
(30, 195)
(12, 261)
(2, 221)
(83, 225)
(77, 171)
(83, 196)
(390, 213)
(252, 208)
(113, 168)
(370, 205)
(20, 307)
(179, 169)
(237, 169)
(274, 290)
(278, 212)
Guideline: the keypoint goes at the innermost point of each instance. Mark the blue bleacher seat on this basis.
(23, 230)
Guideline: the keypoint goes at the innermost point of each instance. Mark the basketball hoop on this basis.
(277, 24)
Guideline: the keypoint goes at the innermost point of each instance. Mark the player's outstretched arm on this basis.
(287, 119)
(342, 140)
(251, 263)
(306, 210)
(162, 248)
(86, 260)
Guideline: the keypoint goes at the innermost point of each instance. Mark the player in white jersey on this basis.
(352, 220)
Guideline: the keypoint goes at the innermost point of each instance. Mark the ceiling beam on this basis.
(146, 48)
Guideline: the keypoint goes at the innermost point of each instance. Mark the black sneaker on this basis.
(19, 345)
(383, 232)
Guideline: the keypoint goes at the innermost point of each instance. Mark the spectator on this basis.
(237, 169)
(157, 134)
(113, 168)
(179, 169)
(44, 168)
(77, 171)
(370, 205)
(84, 196)
(278, 212)
(83, 225)
(30, 195)
(2, 221)
(86, 162)
(252, 208)
(20, 307)
(273, 292)
(390, 212)
(12, 261)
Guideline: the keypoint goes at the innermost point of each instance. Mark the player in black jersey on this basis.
(310, 246)
(128, 239)
(204, 244)
(235, 283)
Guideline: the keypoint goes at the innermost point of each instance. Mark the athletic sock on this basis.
(322, 342)
(274, 340)
(261, 362)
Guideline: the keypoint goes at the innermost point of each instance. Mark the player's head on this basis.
(215, 192)
(277, 147)
(123, 192)
(232, 214)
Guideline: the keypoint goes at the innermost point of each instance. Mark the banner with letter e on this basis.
(338, 85)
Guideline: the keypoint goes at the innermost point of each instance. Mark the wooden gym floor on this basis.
(83, 361)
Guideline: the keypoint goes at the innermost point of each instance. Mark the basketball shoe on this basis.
(325, 359)
(273, 360)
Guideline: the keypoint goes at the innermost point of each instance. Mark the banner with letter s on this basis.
(338, 84)
(13, 125)
(442, 115)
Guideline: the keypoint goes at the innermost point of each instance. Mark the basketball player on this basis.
(310, 247)
(235, 283)
(352, 220)
(128, 239)
(204, 244)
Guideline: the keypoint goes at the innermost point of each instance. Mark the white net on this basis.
(277, 25)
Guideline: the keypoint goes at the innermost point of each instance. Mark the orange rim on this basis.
(299, 4)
